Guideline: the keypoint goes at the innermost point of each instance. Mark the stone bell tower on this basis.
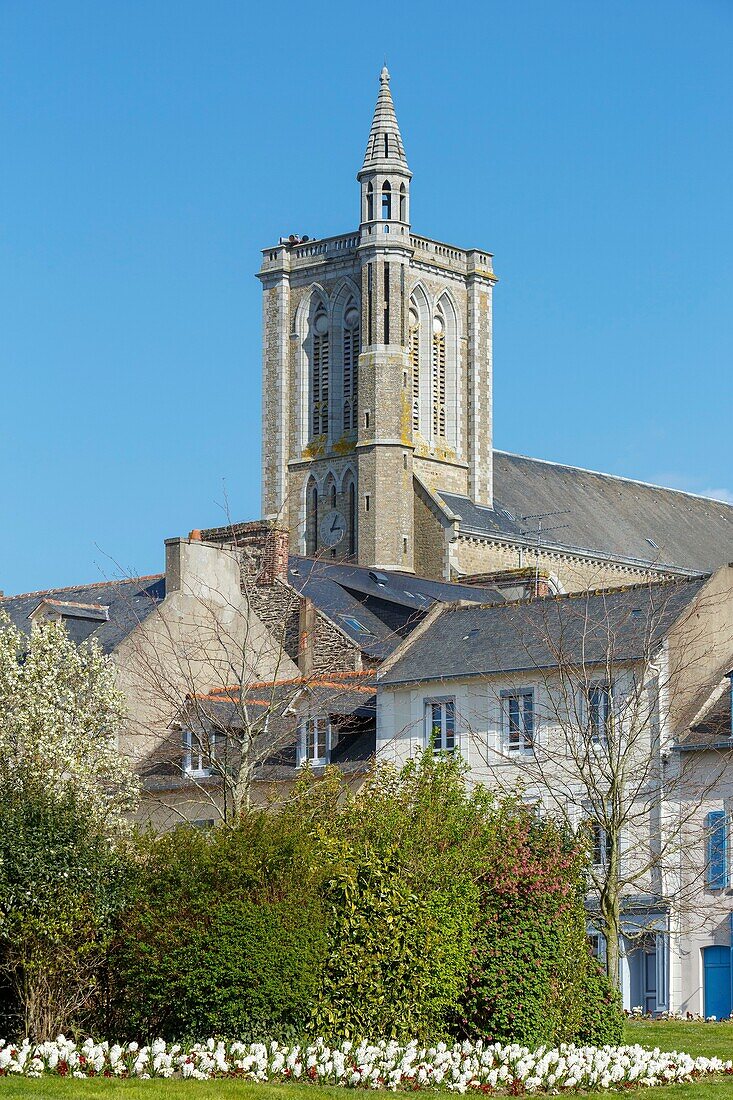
(376, 372)
(385, 444)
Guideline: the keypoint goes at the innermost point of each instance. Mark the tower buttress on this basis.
(384, 443)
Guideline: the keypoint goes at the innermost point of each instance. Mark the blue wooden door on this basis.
(717, 981)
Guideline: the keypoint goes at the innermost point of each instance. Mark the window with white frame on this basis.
(440, 724)
(601, 842)
(315, 740)
(599, 703)
(717, 875)
(518, 720)
(199, 753)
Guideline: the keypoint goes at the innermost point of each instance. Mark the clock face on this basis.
(332, 528)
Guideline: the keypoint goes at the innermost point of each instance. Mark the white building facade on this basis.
(589, 705)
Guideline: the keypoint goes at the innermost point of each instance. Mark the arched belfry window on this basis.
(414, 354)
(351, 365)
(403, 203)
(319, 372)
(439, 375)
(386, 201)
(311, 517)
(370, 203)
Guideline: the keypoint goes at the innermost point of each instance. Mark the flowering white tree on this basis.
(60, 713)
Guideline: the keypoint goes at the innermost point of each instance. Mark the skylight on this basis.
(353, 624)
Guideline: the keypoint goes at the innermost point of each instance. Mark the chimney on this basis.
(264, 547)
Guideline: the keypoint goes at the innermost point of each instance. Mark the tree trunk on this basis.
(610, 907)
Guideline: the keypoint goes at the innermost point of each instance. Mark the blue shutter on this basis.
(716, 871)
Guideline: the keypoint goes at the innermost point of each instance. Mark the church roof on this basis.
(381, 152)
(600, 515)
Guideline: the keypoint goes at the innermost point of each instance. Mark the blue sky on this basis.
(152, 147)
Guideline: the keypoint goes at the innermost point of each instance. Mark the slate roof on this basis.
(603, 515)
(128, 603)
(348, 698)
(376, 608)
(621, 624)
(337, 693)
(713, 727)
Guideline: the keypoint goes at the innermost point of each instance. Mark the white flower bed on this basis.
(463, 1067)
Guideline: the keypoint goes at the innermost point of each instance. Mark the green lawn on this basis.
(695, 1038)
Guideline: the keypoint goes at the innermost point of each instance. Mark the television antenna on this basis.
(541, 530)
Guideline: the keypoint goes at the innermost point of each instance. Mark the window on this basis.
(404, 545)
(403, 203)
(315, 740)
(319, 373)
(518, 707)
(354, 624)
(386, 146)
(351, 365)
(716, 861)
(199, 753)
(440, 724)
(438, 377)
(599, 699)
(370, 203)
(386, 201)
(367, 502)
(413, 347)
(601, 845)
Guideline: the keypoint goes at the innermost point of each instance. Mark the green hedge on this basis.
(415, 908)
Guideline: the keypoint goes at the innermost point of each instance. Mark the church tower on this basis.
(376, 373)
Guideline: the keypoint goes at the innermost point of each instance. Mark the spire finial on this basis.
(385, 141)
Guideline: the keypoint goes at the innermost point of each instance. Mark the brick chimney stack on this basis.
(264, 548)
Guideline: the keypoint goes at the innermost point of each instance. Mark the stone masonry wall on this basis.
(574, 574)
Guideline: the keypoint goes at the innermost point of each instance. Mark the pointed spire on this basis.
(385, 141)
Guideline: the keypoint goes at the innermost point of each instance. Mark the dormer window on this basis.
(79, 619)
(314, 742)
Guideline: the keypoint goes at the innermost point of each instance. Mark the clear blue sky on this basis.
(151, 147)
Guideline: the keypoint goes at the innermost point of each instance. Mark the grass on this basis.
(695, 1038)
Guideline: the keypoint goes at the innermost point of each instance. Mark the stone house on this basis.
(610, 710)
(234, 614)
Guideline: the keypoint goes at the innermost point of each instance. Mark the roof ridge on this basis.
(555, 597)
(612, 477)
(76, 587)
(305, 680)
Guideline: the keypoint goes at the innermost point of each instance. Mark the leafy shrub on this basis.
(602, 1016)
(397, 958)
(530, 949)
(61, 882)
(223, 936)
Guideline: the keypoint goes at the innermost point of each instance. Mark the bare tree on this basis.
(228, 676)
(619, 676)
(582, 701)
